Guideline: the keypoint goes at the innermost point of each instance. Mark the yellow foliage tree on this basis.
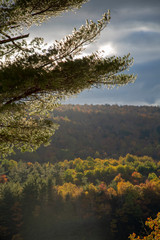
(69, 189)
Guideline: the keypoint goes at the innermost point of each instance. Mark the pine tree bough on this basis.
(33, 77)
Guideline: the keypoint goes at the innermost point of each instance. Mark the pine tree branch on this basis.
(6, 53)
(13, 39)
(40, 12)
(23, 95)
(67, 52)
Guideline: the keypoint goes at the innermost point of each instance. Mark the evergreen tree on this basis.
(33, 77)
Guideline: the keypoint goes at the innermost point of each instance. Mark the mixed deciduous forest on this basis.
(60, 192)
(78, 199)
(101, 131)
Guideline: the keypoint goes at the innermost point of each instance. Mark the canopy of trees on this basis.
(101, 131)
(33, 76)
(79, 199)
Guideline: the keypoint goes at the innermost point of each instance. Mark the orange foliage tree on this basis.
(3, 178)
(154, 225)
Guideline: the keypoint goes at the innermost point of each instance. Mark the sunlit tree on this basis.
(34, 76)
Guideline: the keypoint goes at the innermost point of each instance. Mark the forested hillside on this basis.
(98, 190)
(101, 131)
(91, 199)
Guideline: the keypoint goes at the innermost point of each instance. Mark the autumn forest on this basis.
(97, 189)
(101, 131)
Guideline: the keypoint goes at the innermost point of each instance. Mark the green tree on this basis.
(34, 77)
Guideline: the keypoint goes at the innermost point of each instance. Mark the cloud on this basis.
(145, 90)
(134, 28)
(129, 21)
(107, 49)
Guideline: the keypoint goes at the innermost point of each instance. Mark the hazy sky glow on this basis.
(134, 28)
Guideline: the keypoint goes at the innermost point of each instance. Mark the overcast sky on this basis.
(134, 28)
